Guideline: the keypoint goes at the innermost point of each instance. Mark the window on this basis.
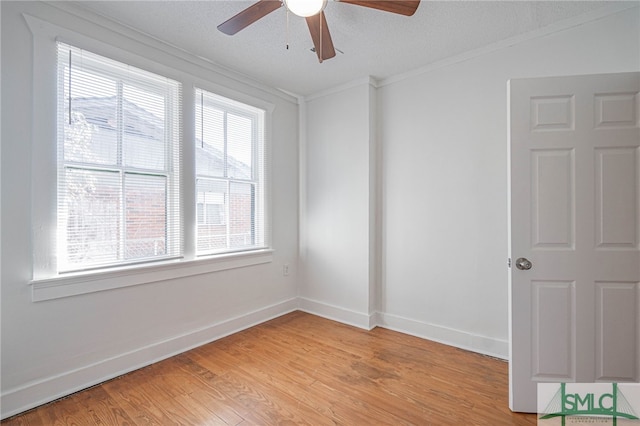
(229, 175)
(127, 207)
(118, 163)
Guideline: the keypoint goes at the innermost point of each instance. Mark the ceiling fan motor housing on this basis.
(305, 8)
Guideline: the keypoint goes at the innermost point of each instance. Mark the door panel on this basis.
(616, 331)
(616, 110)
(553, 330)
(575, 214)
(552, 113)
(553, 199)
(616, 198)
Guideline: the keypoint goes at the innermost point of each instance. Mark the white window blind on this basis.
(119, 162)
(230, 175)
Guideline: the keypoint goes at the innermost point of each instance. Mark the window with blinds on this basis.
(118, 163)
(230, 175)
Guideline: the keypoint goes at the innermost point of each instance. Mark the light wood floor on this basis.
(300, 369)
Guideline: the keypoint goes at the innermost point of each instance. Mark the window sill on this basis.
(89, 282)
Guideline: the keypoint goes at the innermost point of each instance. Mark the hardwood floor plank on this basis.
(205, 394)
(64, 412)
(328, 402)
(267, 403)
(329, 364)
(170, 381)
(359, 380)
(100, 408)
(145, 401)
(300, 369)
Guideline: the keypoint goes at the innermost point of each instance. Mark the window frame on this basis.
(46, 282)
(172, 145)
(256, 117)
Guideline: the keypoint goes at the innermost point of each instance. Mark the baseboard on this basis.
(337, 313)
(461, 339)
(33, 394)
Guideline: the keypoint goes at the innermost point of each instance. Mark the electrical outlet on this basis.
(285, 269)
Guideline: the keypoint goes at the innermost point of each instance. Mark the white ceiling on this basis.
(374, 43)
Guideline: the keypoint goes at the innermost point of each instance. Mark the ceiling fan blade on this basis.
(406, 8)
(248, 16)
(321, 36)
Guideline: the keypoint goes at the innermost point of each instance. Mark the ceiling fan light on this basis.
(305, 8)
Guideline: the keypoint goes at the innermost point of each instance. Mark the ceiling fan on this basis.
(313, 12)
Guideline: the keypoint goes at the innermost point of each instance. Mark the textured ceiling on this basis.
(374, 43)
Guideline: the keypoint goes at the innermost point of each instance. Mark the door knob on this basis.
(523, 264)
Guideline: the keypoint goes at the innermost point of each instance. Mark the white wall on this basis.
(339, 241)
(54, 347)
(443, 137)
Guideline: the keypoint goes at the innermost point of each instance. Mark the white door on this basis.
(575, 220)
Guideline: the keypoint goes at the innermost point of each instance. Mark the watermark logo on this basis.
(588, 404)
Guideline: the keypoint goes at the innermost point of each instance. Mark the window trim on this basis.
(46, 283)
(77, 283)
